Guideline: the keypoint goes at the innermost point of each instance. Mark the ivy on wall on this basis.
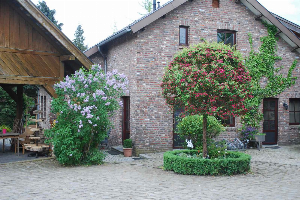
(262, 65)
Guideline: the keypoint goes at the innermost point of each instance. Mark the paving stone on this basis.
(273, 176)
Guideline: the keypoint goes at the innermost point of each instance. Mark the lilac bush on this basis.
(85, 102)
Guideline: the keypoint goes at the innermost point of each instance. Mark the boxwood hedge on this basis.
(234, 163)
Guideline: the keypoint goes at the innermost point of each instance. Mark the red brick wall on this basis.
(143, 56)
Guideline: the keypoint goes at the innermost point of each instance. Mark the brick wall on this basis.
(143, 56)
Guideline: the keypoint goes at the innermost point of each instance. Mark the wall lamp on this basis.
(285, 106)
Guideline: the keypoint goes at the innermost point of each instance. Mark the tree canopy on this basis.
(79, 39)
(208, 79)
(42, 5)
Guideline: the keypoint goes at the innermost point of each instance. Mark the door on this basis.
(270, 124)
(126, 118)
(178, 142)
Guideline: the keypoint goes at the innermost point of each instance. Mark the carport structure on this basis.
(33, 51)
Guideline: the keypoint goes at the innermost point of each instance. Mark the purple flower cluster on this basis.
(248, 133)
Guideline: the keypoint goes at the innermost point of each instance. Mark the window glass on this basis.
(183, 40)
(294, 111)
(226, 37)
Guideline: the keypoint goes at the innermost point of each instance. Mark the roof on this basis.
(286, 28)
(51, 30)
(32, 49)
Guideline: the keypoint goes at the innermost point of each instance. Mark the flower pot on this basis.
(3, 131)
(260, 138)
(127, 152)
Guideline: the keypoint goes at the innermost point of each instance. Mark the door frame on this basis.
(125, 117)
(276, 121)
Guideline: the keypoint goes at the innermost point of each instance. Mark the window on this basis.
(215, 3)
(183, 35)
(227, 37)
(294, 110)
(43, 107)
(228, 122)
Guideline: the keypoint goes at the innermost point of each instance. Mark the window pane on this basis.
(292, 105)
(297, 117)
(266, 125)
(182, 35)
(221, 37)
(272, 105)
(297, 105)
(229, 39)
(272, 125)
(292, 117)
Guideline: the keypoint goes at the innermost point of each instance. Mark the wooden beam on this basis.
(57, 34)
(67, 57)
(62, 71)
(26, 51)
(28, 80)
(10, 92)
(50, 90)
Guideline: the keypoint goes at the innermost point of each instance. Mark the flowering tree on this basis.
(207, 79)
(84, 104)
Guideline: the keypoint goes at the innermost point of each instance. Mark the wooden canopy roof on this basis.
(32, 49)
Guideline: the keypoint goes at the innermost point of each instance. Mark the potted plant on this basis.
(260, 137)
(127, 147)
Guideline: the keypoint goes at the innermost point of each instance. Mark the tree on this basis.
(147, 5)
(49, 13)
(79, 39)
(207, 79)
(84, 107)
(262, 65)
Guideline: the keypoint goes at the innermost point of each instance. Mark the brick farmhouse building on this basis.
(142, 50)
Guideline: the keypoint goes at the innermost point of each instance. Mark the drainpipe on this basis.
(105, 59)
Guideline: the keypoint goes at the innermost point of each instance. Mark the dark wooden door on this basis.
(270, 124)
(126, 118)
(178, 142)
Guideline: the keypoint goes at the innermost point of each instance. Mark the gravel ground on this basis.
(275, 174)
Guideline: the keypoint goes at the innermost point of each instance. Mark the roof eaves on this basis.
(285, 33)
(43, 21)
(128, 28)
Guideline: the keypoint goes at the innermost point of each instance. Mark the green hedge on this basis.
(235, 163)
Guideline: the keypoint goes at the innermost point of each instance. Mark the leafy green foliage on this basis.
(84, 105)
(191, 127)
(262, 65)
(233, 163)
(147, 5)
(127, 143)
(208, 79)
(42, 5)
(79, 39)
(8, 129)
(7, 109)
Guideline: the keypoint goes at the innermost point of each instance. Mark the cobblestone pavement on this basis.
(275, 174)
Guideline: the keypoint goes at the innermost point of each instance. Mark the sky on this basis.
(99, 18)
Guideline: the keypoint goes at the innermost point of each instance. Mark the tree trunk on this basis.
(204, 136)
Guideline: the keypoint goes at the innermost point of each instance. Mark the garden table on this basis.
(10, 135)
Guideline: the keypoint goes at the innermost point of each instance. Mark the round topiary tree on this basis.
(192, 127)
(207, 79)
(85, 102)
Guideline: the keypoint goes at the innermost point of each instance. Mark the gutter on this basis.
(105, 59)
(118, 34)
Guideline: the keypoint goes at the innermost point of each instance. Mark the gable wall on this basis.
(152, 49)
(17, 33)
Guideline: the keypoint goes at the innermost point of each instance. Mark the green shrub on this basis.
(8, 129)
(233, 163)
(85, 104)
(127, 143)
(191, 127)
